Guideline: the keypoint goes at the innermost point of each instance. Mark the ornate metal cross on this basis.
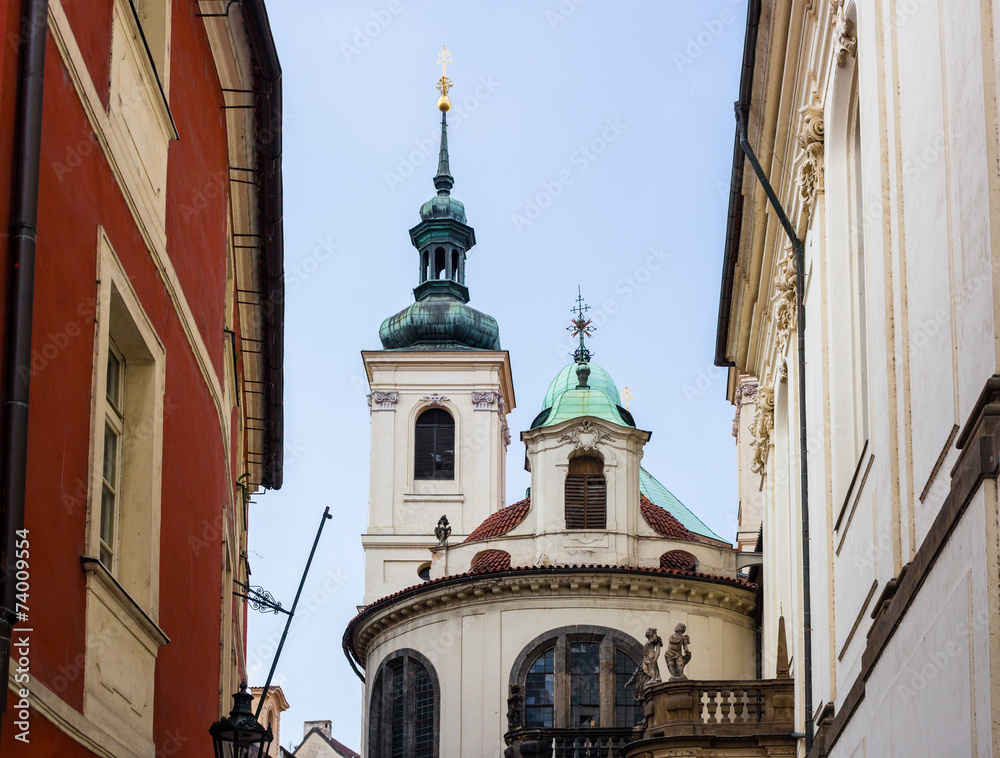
(627, 398)
(444, 58)
(581, 327)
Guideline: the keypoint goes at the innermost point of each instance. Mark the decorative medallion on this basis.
(760, 428)
(434, 399)
(586, 436)
(386, 401)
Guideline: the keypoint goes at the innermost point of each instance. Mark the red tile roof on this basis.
(501, 522)
(678, 559)
(490, 560)
(662, 522)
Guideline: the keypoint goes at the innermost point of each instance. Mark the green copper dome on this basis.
(600, 399)
(440, 323)
(566, 379)
(443, 206)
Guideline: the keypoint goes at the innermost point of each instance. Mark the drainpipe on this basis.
(800, 275)
(23, 235)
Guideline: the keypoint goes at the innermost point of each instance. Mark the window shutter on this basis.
(586, 494)
(576, 501)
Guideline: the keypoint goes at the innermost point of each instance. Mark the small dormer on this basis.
(584, 452)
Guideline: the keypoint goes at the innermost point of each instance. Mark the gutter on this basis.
(22, 245)
(800, 281)
(734, 223)
(271, 263)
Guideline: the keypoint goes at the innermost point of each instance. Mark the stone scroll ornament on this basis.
(678, 655)
(383, 401)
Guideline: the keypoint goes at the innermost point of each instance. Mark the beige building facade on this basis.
(875, 122)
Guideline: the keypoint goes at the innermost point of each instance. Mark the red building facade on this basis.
(154, 368)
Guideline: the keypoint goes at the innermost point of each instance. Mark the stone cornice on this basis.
(623, 583)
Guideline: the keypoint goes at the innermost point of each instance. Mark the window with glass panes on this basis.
(576, 677)
(434, 445)
(111, 467)
(403, 714)
(539, 687)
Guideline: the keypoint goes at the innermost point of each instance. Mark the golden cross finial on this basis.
(444, 83)
(627, 398)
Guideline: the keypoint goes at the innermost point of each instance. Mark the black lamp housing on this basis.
(239, 735)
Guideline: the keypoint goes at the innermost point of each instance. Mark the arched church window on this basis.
(404, 712)
(434, 448)
(577, 677)
(586, 494)
(424, 265)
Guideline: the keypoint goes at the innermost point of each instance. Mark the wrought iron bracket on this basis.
(259, 599)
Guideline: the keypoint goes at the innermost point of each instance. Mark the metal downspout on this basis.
(22, 243)
(800, 269)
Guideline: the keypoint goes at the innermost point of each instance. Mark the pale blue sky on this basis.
(591, 143)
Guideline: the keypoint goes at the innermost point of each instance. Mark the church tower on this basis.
(441, 389)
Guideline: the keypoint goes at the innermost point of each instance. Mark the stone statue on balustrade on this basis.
(649, 672)
(678, 654)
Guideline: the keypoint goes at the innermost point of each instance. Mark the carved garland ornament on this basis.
(783, 301)
(386, 401)
(586, 436)
(747, 390)
(810, 140)
(845, 42)
(760, 428)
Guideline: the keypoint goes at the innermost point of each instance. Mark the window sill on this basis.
(99, 572)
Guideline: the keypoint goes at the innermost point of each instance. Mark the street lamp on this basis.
(239, 735)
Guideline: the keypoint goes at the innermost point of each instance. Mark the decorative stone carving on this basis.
(678, 655)
(586, 436)
(515, 702)
(442, 531)
(809, 180)
(783, 300)
(745, 390)
(760, 428)
(434, 399)
(844, 40)
(385, 401)
(485, 399)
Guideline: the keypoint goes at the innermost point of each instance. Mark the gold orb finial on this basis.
(444, 103)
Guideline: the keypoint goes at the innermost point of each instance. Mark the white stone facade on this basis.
(877, 124)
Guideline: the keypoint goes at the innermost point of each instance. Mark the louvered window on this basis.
(435, 445)
(586, 494)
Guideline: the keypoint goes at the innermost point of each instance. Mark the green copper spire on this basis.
(440, 319)
(444, 181)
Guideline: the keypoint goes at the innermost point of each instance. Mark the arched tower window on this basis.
(440, 263)
(405, 712)
(577, 677)
(434, 448)
(586, 494)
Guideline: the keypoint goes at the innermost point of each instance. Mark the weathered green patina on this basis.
(440, 319)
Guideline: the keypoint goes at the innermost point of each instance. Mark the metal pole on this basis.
(291, 613)
(800, 273)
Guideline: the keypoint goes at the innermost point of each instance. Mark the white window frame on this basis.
(114, 418)
(122, 600)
